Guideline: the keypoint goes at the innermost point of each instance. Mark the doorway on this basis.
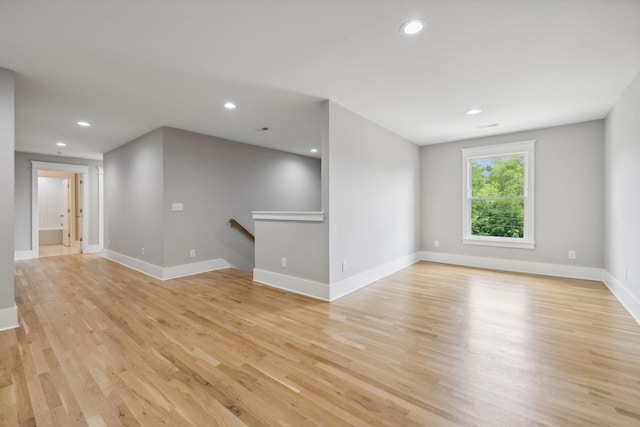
(59, 216)
(59, 213)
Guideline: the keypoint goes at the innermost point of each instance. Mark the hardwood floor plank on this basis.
(431, 345)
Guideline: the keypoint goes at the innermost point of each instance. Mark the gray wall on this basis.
(305, 245)
(133, 186)
(23, 195)
(214, 179)
(218, 179)
(569, 196)
(374, 181)
(7, 144)
(622, 178)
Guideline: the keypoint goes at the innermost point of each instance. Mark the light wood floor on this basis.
(431, 345)
(58, 250)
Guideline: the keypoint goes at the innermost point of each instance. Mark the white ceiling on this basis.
(129, 67)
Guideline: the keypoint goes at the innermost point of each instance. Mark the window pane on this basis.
(497, 177)
(497, 218)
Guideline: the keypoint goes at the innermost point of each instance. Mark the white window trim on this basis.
(526, 148)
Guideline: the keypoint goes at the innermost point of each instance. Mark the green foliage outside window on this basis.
(497, 197)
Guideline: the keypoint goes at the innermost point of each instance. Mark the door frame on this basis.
(66, 195)
(59, 167)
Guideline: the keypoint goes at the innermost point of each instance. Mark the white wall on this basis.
(622, 201)
(23, 196)
(569, 196)
(374, 208)
(8, 310)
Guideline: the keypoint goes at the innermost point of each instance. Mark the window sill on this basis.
(500, 243)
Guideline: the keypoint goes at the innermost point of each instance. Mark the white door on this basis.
(64, 216)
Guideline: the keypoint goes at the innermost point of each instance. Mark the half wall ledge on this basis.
(288, 216)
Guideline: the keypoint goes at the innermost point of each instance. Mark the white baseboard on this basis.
(360, 280)
(93, 249)
(9, 318)
(134, 263)
(297, 285)
(324, 292)
(559, 270)
(624, 295)
(194, 268)
(20, 255)
(165, 273)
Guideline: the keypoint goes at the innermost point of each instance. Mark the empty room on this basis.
(329, 213)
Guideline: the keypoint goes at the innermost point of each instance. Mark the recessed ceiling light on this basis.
(229, 105)
(473, 112)
(490, 125)
(412, 27)
(84, 124)
(61, 144)
(314, 150)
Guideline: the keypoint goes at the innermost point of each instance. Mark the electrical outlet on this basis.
(177, 207)
(436, 243)
(572, 254)
(192, 253)
(142, 251)
(284, 263)
(344, 266)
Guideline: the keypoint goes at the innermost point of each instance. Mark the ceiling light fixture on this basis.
(314, 150)
(473, 112)
(61, 144)
(412, 27)
(229, 105)
(490, 125)
(84, 124)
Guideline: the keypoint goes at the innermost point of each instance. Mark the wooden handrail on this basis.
(244, 231)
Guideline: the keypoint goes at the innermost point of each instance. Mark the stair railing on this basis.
(243, 230)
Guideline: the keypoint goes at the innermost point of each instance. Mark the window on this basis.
(497, 206)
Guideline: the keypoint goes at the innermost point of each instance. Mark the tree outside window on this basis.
(498, 195)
